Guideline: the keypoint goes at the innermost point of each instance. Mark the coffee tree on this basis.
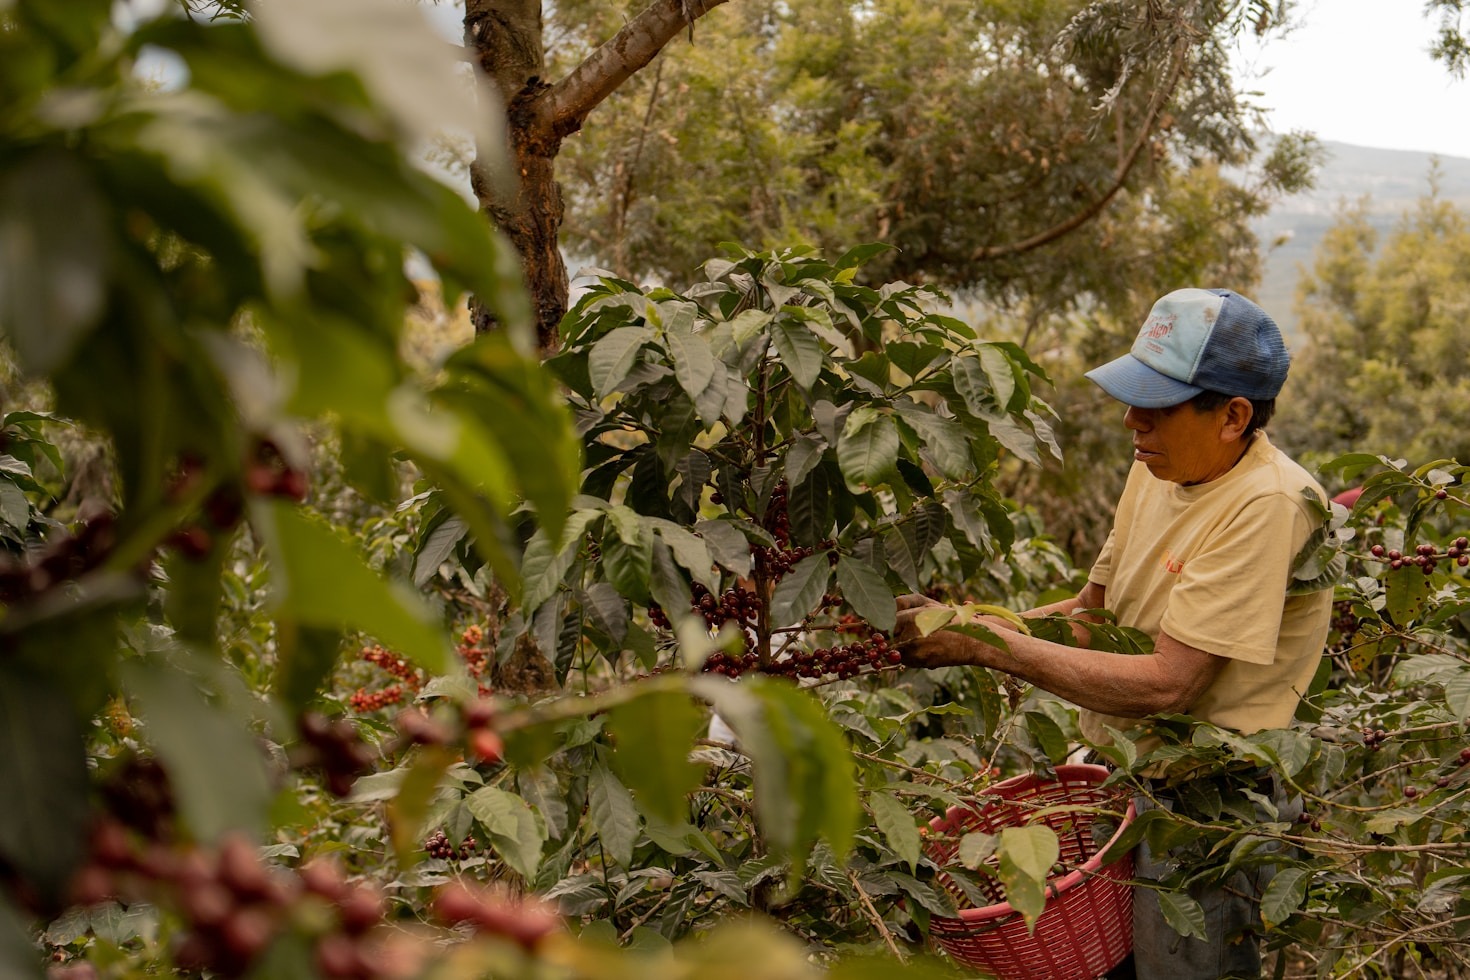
(776, 445)
(769, 457)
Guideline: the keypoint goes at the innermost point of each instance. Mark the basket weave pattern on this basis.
(1087, 926)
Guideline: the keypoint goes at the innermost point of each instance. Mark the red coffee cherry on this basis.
(247, 932)
(487, 746)
(323, 877)
(479, 713)
(338, 958)
(207, 904)
(361, 908)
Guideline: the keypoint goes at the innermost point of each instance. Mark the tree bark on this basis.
(505, 40)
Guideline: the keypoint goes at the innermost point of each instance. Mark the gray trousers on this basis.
(1231, 948)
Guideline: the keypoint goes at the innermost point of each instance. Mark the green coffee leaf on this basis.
(798, 349)
(516, 832)
(442, 534)
(803, 456)
(1408, 591)
(727, 546)
(694, 364)
(321, 581)
(629, 567)
(934, 618)
(1183, 914)
(1030, 850)
(1284, 895)
(1000, 373)
(897, 826)
(976, 848)
(798, 593)
(43, 778)
(805, 787)
(213, 758)
(613, 814)
(867, 449)
(653, 735)
(866, 591)
(53, 277)
(613, 356)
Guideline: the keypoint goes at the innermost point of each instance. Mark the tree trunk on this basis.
(505, 39)
(526, 205)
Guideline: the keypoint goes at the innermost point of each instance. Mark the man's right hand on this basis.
(942, 648)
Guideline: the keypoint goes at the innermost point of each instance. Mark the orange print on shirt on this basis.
(1171, 564)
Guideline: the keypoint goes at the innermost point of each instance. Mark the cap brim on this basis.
(1133, 382)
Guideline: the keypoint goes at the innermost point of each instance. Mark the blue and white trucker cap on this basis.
(1196, 340)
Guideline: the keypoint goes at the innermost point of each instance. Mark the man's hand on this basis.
(942, 648)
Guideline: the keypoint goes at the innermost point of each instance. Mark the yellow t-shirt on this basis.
(1210, 566)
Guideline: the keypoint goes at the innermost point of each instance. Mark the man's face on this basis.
(1182, 445)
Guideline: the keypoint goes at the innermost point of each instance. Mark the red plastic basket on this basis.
(1087, 926)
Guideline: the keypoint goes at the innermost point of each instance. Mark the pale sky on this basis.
(1353, 71)
(1359, 71)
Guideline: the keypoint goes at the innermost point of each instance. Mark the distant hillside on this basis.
(1392, 180)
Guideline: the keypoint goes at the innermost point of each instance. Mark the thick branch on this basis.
(639, 42)
(1120, 176)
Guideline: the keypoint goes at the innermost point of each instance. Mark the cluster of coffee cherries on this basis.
(474, 649)
(490, 910)
(842, 661)
(779, 561)
(408, 680)
(1310, 819)
(66, 556)
(776, 519)
(364, 701)
(475, 726)
(734, 605)
(1374, 737)
(1426, 556)
(266, 473)
(223, 507)
(438, 845)
(233, 905)
(1442, 781)
(1344, 621)
(334, 747)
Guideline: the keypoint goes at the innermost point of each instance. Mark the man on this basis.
(1200, 558)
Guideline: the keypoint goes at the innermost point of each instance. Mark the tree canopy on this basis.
(1055, 154)
(1386, 325)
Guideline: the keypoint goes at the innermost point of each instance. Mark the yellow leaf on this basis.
(931, 620)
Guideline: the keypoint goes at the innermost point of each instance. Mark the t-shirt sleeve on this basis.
(1230, 595)
(1102, 569)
